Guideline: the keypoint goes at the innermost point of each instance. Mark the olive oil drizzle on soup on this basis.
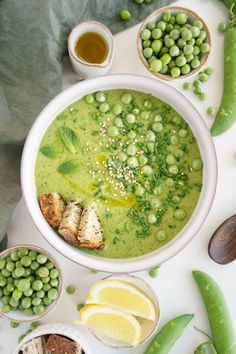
(133, 158)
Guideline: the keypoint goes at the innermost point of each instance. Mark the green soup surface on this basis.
(132, 158)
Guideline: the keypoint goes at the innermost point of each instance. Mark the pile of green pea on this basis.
(28, 282)
(174, 45)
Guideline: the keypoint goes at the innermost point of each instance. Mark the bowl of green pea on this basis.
(31, 283)
(173, 43)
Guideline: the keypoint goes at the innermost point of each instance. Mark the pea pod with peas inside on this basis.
(226, 115)
(223, 335)
(168, 335)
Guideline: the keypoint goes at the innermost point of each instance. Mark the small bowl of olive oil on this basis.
(90, 47)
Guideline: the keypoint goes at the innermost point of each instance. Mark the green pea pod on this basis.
(229, 3)
(205, 348)
(168, 335)
(226, 115)
(223, 336)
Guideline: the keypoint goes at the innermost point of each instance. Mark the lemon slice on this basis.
(112, 323)
(124, 296)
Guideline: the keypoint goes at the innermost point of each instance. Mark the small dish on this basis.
(56, 328)
(19, 316)
(156, 15)
(148, 327)
(85, 69)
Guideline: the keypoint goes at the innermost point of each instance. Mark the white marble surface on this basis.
(175, 287)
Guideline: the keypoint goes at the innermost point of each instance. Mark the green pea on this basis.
(131, 150)
(139, 191)
(169, 28)
(40, 294)
(195, 31)
(156, 33)
(150, 146)
(158, 190)
(89, 99)
(172, 20)
(122, 156)
(205, 48)
(34, 265)
(28, 272)
(117, 109)
(26, 261)
(41, 258)
(39, 309)
(26, 302)
(70, 289)
(22, 252)
(170, 159)
(6, 292)
(100, 97)
(145, 115)
(164, 50)
(2, 263)
(155, 203)
(176, 199)
(203, 77)
(197, 164)
(174, 51)
(3, 281)
(17, 294)
(54, 283)
(175, 72)
(198, 23)
(174, 34)
(14, 324)
(186, 34)
(161, 235)
(13, 303)
(189, 58)
(47, 301)
(179, 214)
(183, 133)
(164, 70)
(126, 98)
(125, 15)
(156, 65)
(153, 57)
(53, 294)
(150, 26)
(43, 272)
(10, 287)
(132, 162)
(153, 272)
(166, 16)
(185, 69)
(37, 285)
(195, 63)
(147, 52)
(181, 43)
(150, 136)
(180, 60)
(36, 301)
(6, 308)
(202, 35)
(135, 111)
(173, 169)
(146, 43)
(208, 70)
(197, 90)
(5, 300)
(211, 111)
(181, 18)
(130, 118)
(104, 107)
(131, 135)
(187, 86)
(169, 42)
(46, 287)
(23, 285)
(188, 49)
(28, 292)
(174, 140)
(112, 131)
(10, 266)
(14, 256)
(161, 25)
(28, 312)
(145, 34)
(147, 170)
(199, 42)
(151, 219)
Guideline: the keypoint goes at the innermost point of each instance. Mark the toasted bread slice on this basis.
(90, 231)
(70, 223)
(35, 346)
(52, 206)
(61, 345)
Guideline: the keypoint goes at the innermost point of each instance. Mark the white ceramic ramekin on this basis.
(82, 68)
(183, 107)
(56, 328)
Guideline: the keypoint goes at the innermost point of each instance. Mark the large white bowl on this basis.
(183, 107)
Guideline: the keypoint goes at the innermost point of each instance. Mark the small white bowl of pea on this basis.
(31, 283)
(173, 43)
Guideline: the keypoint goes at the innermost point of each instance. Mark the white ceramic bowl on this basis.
(19, 316)
(183, 107)
(56, 328)
(148, 327)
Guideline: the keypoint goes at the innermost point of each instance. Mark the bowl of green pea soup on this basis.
(119, 172)
(173, 43)
(30, 283)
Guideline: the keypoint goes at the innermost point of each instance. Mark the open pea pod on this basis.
(205, 348)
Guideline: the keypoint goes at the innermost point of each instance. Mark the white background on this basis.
(174, 286)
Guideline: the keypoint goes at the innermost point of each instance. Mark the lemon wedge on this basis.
(112, 323)
(122, 295)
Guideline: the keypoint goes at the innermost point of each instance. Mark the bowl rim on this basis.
(159, 12)
(109, 82)
(154, 298)
(59, 328)
(50, 307)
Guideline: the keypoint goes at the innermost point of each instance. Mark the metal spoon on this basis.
(222, 245)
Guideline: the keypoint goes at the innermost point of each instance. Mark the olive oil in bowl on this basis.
(92, 48)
